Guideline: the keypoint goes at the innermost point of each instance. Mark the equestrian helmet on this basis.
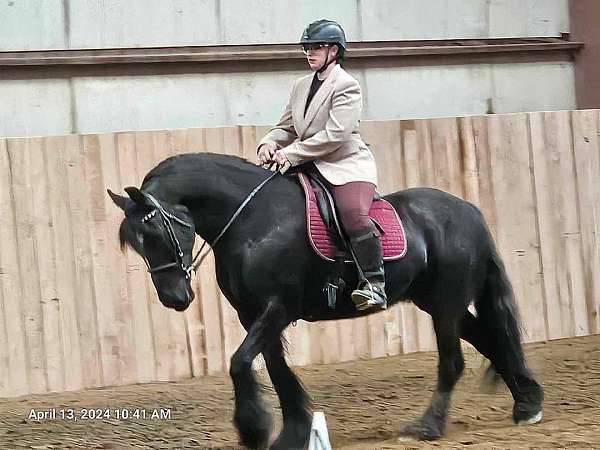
(326, 31)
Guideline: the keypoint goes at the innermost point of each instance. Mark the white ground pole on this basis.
(319, 437)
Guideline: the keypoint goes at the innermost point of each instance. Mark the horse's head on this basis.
(163, 235)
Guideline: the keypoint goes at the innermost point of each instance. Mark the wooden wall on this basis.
(76, 312)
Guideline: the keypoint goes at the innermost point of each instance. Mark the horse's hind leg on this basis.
(292, 397)
(251, 418)
(507, 357)
(450, 366)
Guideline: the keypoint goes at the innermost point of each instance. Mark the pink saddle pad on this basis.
(393, 238)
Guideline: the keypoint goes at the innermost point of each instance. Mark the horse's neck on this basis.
(212, 196)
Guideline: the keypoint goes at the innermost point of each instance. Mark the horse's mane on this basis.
(188, 163)
(129, 238)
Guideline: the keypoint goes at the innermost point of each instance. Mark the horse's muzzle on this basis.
(177, 302)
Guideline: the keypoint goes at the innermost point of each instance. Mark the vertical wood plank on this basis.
(82, 256)
(469, 158)
(447, 161)
(102, 282)
(16, 376)
(19, 151)
(518, 240)
(586, 128)
(45, 258)
(136, 274)
(62, 237)
(484, 171)
(558, 224)
(116, 262)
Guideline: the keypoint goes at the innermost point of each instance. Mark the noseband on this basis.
(177, 252)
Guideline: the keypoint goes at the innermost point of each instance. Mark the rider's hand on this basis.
(266, 152)
(280, 158)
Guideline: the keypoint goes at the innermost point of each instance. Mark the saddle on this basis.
(323, 227)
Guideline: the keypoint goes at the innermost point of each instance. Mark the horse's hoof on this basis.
(527, 413)
(531, 420)
(422, 430)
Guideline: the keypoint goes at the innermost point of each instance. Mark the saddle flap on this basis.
(325, 209)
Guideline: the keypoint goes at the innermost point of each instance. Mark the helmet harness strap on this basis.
(327, 62)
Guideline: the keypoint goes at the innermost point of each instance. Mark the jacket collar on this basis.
(317, 100)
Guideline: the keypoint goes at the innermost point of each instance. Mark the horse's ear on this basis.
(138, 196)
(119, 200)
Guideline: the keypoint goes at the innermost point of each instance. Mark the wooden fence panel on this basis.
(20, 159)
(64, 270)
(90, 316)
(46, 260)
(586, 129)
(485, 186)
(136, 275)
(103, 282)
(515, 214)
(16, 371)
(559, 230)
(106, 161)
(82, 258)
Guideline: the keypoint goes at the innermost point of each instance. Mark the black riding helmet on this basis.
(328, 32)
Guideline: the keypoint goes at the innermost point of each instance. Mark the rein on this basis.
(195, 264)
(178, 253)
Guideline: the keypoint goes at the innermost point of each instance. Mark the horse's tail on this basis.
(498, 312)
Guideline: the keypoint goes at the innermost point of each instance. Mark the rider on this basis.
(320, 125)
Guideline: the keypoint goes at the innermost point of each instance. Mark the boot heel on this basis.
(365, 299)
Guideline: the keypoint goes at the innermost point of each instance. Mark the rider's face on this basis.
(316, 54)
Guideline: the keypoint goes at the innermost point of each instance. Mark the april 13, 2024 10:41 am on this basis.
(99, 414)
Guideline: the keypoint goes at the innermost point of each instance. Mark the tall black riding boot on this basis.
(370, 293)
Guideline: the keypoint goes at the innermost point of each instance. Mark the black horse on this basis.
(270, 274)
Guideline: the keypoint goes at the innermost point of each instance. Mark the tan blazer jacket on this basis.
(328, 134)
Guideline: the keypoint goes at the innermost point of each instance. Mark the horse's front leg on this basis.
(292, 397)
(252, 420)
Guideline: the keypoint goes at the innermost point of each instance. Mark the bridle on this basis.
(167, 217)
